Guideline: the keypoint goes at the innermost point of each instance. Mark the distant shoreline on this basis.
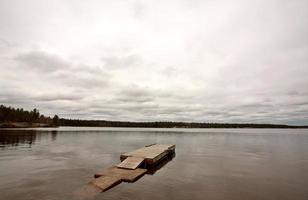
(103, 123)
(24, 125)
(166, 124)
(19, 118)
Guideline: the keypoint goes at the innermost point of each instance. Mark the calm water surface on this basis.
(209, 163)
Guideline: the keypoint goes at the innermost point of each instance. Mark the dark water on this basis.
(209, 163)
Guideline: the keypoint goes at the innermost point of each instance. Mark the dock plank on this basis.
(106, 182)
(123, 174)
(131, 163)
(149, 152)
(112, 176)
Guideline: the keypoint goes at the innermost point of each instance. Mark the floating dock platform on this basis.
(133, 165)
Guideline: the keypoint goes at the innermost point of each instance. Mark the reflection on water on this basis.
(53, 135)
(153, 170)
(15, 138)
(25, 138)
(210, 164)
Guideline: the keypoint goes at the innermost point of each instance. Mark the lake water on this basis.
(209, 163)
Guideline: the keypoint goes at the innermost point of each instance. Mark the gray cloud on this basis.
(133, 93)
(6, 43)
(57, 69)
(38, 60)
(58, 97)
(124, 62)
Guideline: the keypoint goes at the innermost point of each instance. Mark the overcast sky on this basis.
(157, 60)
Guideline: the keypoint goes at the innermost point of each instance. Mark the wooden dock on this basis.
(133, 165)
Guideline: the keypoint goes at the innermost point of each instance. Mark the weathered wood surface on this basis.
(112, 176)
(151, 154)
(131, 163)
(106, 182)
(125, 174)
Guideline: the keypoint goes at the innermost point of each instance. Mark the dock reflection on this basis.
(153, 170)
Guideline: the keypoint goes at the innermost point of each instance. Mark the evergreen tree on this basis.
(55, 120)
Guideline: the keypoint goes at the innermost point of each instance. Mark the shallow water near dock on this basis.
(54, 163)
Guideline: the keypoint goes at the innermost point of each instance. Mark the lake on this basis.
(54, 163)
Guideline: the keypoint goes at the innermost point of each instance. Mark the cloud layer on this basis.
(203, 61)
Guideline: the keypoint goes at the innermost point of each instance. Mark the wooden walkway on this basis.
(134, 165)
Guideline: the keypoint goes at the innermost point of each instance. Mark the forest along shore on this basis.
(19, 118)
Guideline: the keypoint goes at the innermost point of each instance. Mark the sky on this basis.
(241, 61)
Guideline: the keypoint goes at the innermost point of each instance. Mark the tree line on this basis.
(9, 114)
(166, 124)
